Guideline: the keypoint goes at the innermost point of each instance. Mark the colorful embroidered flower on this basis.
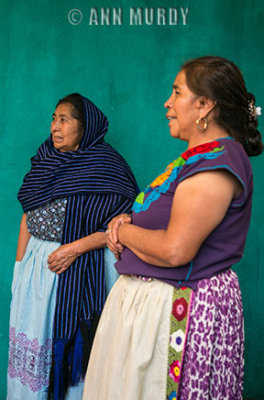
(203, 148)
(173, 396)
(140, 198)
(177, 340)
(175, 370)
(179, 309)
(162, 177)
(178, 163)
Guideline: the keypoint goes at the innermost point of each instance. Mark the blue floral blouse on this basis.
(47, 222)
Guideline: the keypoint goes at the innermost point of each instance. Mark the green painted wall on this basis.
(127, 70)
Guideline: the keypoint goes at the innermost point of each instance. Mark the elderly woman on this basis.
(76, 185)
(172, 327)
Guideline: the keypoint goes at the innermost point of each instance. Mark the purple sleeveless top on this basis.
(224, 246)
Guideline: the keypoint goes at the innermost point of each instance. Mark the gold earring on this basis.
(205, 124)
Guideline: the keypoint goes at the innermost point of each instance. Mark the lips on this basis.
(170, 117)
(57, 139)
(57, 136)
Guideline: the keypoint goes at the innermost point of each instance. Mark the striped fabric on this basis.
(96, 211)
(98, 170)
(98, 184)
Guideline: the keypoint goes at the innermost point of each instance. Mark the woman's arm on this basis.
(66, 254)
(199, 205)
(60, 259)
(23, 238)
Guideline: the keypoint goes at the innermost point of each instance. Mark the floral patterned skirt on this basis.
(213, 366)
(157, 342)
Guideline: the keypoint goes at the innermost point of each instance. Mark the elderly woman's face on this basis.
(66, 131)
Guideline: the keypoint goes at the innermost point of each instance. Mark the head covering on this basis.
(94, 168)
(98, 184)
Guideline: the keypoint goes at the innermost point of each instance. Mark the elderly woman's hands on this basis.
(60, 259)
(112, 240)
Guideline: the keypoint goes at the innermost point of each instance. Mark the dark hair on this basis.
(220, 80)
(76, 101)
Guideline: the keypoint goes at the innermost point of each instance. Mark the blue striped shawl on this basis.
(98, 184)
(94, 168)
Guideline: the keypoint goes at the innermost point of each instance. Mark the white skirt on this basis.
(158, 342)
(129, 360)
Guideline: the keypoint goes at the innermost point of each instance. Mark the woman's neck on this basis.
(207, 136)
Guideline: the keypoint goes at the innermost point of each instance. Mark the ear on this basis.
(205, 106)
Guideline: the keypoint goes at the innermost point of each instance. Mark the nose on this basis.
(168, 102)
(54, 124)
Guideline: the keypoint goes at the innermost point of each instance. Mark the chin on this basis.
(175, 135)
(179, 135)
(57, 145)
(59, 148)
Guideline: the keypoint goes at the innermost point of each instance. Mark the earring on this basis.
(205, 124)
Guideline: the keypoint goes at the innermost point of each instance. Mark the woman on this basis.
(76, 185)
(172, 326)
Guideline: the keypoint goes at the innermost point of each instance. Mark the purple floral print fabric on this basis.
(213, 361)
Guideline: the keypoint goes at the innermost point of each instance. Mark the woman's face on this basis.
(66, 130)
(183, 109)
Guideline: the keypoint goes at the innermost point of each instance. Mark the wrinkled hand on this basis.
(60, 259)
(112, 240)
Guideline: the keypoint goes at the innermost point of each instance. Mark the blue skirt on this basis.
(33, 302)
(31, 320)
(111, 274)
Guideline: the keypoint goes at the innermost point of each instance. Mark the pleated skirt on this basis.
(131, 355)
(31, 325)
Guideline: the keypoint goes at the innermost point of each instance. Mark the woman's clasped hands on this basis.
(113, 240)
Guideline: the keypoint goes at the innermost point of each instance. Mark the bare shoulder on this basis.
(213, 181)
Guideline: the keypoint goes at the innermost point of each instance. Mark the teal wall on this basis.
(127, 70)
